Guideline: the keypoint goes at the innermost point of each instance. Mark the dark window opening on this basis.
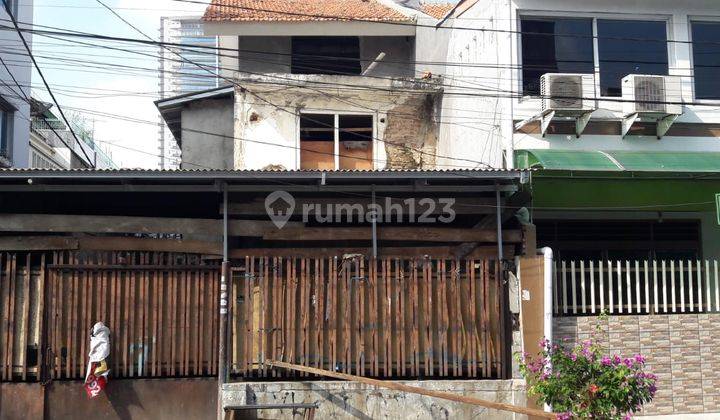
(630, 47)
(356, 133)
(325, 55)
(326, 145)
(620, 239)
(555, 46)
(706, 59)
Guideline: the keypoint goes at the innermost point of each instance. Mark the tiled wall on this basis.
(683, 350)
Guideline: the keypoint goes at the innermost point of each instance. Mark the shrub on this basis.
(580, 382)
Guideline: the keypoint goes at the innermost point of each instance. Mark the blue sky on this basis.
(116, 91)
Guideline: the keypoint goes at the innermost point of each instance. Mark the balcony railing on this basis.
(636, 287)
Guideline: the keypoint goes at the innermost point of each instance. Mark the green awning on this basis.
(619, 161)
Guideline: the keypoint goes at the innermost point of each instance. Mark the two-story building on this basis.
(616, 104)
(313, 85)
(15, 73)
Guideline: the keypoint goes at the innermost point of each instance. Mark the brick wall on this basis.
(681, 349)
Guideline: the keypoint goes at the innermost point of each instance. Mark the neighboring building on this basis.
(313, 91)
(14, 107)
(616, 104)
(52, 144)
(179, 76)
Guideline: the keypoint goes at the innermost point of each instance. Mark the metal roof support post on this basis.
(222, 342)
(374, 225)
(498, 215)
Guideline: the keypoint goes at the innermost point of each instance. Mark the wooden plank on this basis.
(425, 234)
(416, 390)
(43, 324)
(25, 318)
(37, 243)
(59, 223)
(481, 252)
(73, 327)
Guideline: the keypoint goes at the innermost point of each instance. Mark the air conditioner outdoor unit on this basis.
(648, 94)
(568, 93)
(651, 97)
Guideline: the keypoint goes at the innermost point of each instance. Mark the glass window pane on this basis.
(317, 141)
(551, 45)
(630, 47)
(706, 59)
(356, 133)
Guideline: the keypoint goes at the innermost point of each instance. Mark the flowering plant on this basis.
(580, 382)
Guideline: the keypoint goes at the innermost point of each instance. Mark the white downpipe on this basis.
(547, 283)
(547, 296)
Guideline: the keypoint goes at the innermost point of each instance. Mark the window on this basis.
(6, 117)
(706, 59)
(630, 47)
(325, 55)
(551, 45)
(13, 5)
(330, 141)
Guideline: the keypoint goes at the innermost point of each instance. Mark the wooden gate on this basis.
(161, 309)
(386, 318)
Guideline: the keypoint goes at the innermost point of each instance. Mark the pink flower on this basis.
(606, 361)
(640, 359)
(564, 416)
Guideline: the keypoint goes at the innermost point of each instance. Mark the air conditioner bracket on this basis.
(546, 117)
(664, 122)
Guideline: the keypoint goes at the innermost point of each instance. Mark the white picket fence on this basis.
(635, 287)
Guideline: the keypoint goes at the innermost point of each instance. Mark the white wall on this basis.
(500, 73)
(15, 56)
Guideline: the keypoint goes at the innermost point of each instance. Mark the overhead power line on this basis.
(47, 86)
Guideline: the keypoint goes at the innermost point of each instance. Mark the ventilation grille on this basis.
(649, 94)
(562, 92)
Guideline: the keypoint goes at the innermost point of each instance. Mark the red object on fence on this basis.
(95, 384)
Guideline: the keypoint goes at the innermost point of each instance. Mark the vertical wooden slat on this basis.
(611, 288)
(573, 279)
(564, 288)
(556, 303)
(708, 301)
(618, 267)
(43, 324)
(699, 277)
(601, 289)
(25, 318)
(637, 287)
(647, 287)
(690, 288)
(592, 286)
(717, 286)
(682, 286)
(583, 308)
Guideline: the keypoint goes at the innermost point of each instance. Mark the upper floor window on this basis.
(706, 59)
(13, 5)
(555, 45)
(630, 47)
(325, 55)
(332, 141)
(565, 45)
(6, 117)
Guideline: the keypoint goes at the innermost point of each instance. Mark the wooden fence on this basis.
(161, 309)
(636, 287)
(391, 318)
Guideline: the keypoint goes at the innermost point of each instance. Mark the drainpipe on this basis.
(222, 341)
(547, 286)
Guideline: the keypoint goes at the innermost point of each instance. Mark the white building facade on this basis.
(14, 107)
(179, 76)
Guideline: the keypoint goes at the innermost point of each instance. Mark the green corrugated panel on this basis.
(576, 160)
(668, 161)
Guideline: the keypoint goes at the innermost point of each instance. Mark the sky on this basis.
(83, 88)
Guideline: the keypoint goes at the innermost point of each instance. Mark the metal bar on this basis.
(222, 327)
(498, 216)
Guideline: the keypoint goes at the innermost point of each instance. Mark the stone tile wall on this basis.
(683, 350)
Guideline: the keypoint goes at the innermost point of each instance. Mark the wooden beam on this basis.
(57, 223)
(462, 205)
(481, 252)
(417, 233)
(150, 245)
(37, 243)
(510, 207)
(416, 390)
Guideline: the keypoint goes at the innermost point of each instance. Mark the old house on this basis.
(313, 85)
